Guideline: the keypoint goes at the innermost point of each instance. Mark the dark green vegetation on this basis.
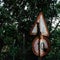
(16, 21)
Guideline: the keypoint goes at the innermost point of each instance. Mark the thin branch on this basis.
(56, 26)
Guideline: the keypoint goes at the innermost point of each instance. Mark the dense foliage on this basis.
(16, 20)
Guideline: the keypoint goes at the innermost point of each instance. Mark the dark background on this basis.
(16, 23)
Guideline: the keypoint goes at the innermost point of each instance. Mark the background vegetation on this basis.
(16, 20)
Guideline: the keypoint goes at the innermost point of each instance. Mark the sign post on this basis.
(40, 44)
(38, 33)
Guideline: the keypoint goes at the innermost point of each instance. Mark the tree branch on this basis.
(56, 26)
